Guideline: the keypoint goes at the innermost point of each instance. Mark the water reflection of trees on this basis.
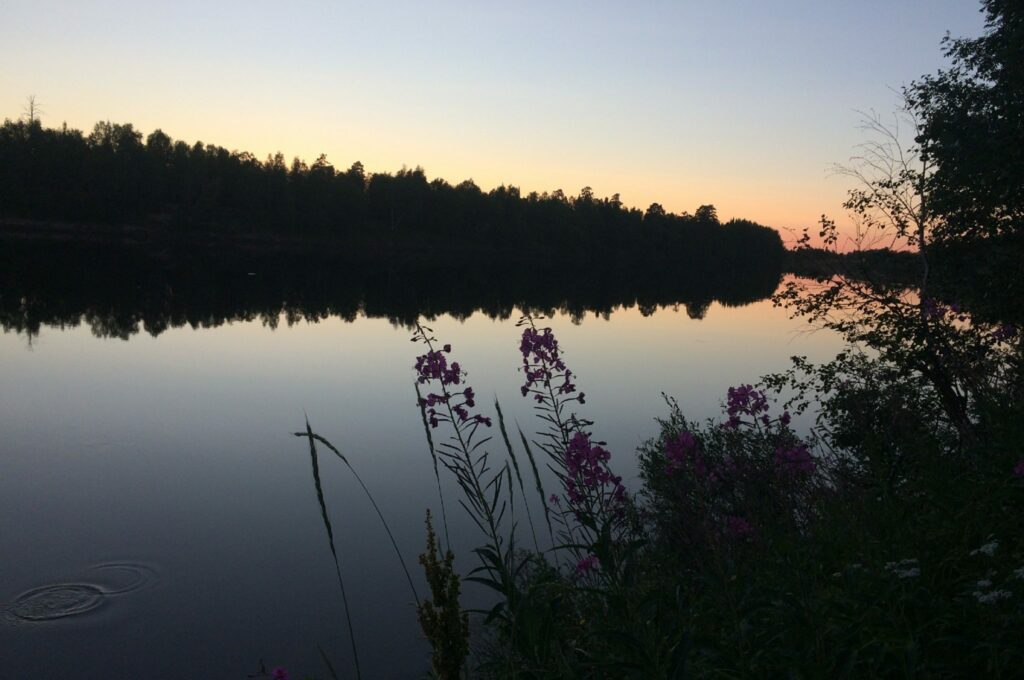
(120, 291)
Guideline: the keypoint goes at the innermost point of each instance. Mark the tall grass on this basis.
(330, 541)
(313, 438)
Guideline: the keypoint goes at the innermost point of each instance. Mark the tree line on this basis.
(115, 175)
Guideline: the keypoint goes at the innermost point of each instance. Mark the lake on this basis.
(158, 518)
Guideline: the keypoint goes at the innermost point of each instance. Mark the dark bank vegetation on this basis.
(883, 541)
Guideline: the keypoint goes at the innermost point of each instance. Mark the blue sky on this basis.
(738, 103)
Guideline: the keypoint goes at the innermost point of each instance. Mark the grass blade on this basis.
(327, 662)
(515, 466)
(540, 487)
(394, 543)
(330, 540)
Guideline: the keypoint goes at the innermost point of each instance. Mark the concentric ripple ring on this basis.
(57, 601)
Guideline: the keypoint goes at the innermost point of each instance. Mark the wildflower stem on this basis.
(471, 476)
(433, 457)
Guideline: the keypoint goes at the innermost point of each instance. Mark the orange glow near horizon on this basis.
(781, 195)
(681, 104)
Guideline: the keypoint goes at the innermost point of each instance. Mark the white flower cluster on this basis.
(903, 568)
(985, 596)
(991, 596)
(988, 549)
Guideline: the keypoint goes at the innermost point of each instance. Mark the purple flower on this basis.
(931, 310)
(1018, 469)
(794, 459)
(542, 363)
(571, 491)
(279, 673)
(433, 367)
(587, 473)
(785, 418)
(683, 451)
(587, 564)
(1004, 332)
(745, 400)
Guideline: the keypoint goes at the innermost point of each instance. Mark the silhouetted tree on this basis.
(112, 176)
(971, 128)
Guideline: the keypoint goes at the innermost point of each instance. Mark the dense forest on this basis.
(114, 175)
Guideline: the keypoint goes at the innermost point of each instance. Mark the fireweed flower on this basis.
(683, 451)
(587, 473)
(794, 459)
(550, 382)
(544, 367)
(433, 367)
(593, 494)
(1004, 332)
(744, 400)
(931, 309)
(587, 564)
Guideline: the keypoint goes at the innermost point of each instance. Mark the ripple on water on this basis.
(128, 576)
(59, 600)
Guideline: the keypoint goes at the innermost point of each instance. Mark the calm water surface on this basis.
(159, 520)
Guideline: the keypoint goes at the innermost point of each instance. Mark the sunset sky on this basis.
(743, 104)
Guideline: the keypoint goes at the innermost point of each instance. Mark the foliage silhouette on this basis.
(972, 132)
(111, 176)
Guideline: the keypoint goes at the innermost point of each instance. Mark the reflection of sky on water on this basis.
(176, 451)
